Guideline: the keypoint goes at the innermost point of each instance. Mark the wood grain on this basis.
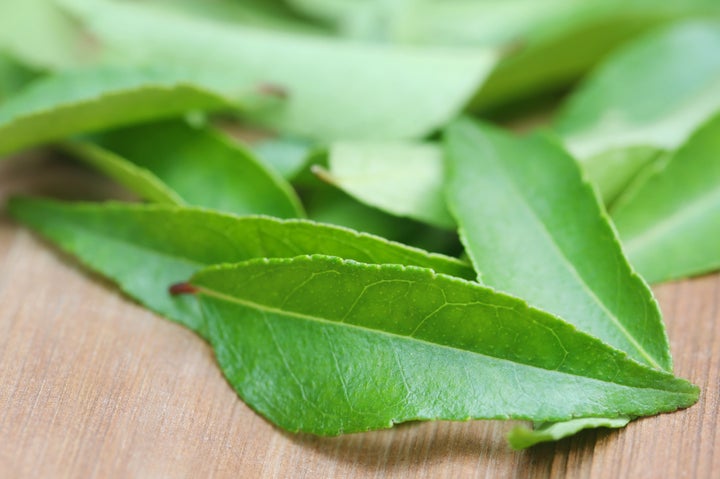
(92, 385)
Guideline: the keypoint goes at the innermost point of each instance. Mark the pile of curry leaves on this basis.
(381, 135)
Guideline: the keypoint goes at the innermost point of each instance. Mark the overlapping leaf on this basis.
(147, 248)
(327, 346)
(404, 179)
(653, 92)
(671, 224)
(534, 228)
(91, 100)
(336, 89)
(202, 167)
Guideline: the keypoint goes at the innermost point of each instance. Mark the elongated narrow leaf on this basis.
(336, 89)
(327, 346)
(534, 228)
(204, 168)
(147, 248)
(135, 178)
(671, 225)
(90, 100)
(404, 179)
(654, 92)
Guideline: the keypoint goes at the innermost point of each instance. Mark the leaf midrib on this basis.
(317, 319)
(565, 260)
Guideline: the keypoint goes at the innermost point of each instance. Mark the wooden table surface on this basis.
(93, 385)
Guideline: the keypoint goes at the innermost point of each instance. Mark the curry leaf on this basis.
(204, 168)
(521, 438)
(83, 101)
(653, 92)
(550, 241)
(401, 178)
(328, 346)
(146, 248)
(336, 89)
(671, 224)
(41, 35)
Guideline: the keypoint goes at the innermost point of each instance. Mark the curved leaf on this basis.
(336, 89)
(521, 438)
(653, 92)
(84, 101)
(671, 224)
(146, 248)
(327, 346)
(204, 168)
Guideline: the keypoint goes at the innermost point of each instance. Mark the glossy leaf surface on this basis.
(145, 249)
(670, 226)
(327, 346)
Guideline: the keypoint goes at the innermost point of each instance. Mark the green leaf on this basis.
(139, 180)
(653, 92)
(336, 89)
(14, 75)
(671, 224)
(83, 101)
(288, 156)
(204, 168)
(400, 178)
(550, 241)
(39, 34)
(522, 438)
(146, 248)
(328, 346)
(534, 229)
(613, 172)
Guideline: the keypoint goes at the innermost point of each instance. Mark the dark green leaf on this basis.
(205, 168)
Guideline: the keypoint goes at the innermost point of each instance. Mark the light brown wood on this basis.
(93, 385)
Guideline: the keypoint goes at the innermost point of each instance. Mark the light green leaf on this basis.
(91, 100)
(671, 224)
(328, 346)
(288, 156)
(41, 35)
(204, 168)
(653, 92)
(522, 438)
(534, 228)
(403, 179)
(549, 43)
(146, 248)
(336, 89)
